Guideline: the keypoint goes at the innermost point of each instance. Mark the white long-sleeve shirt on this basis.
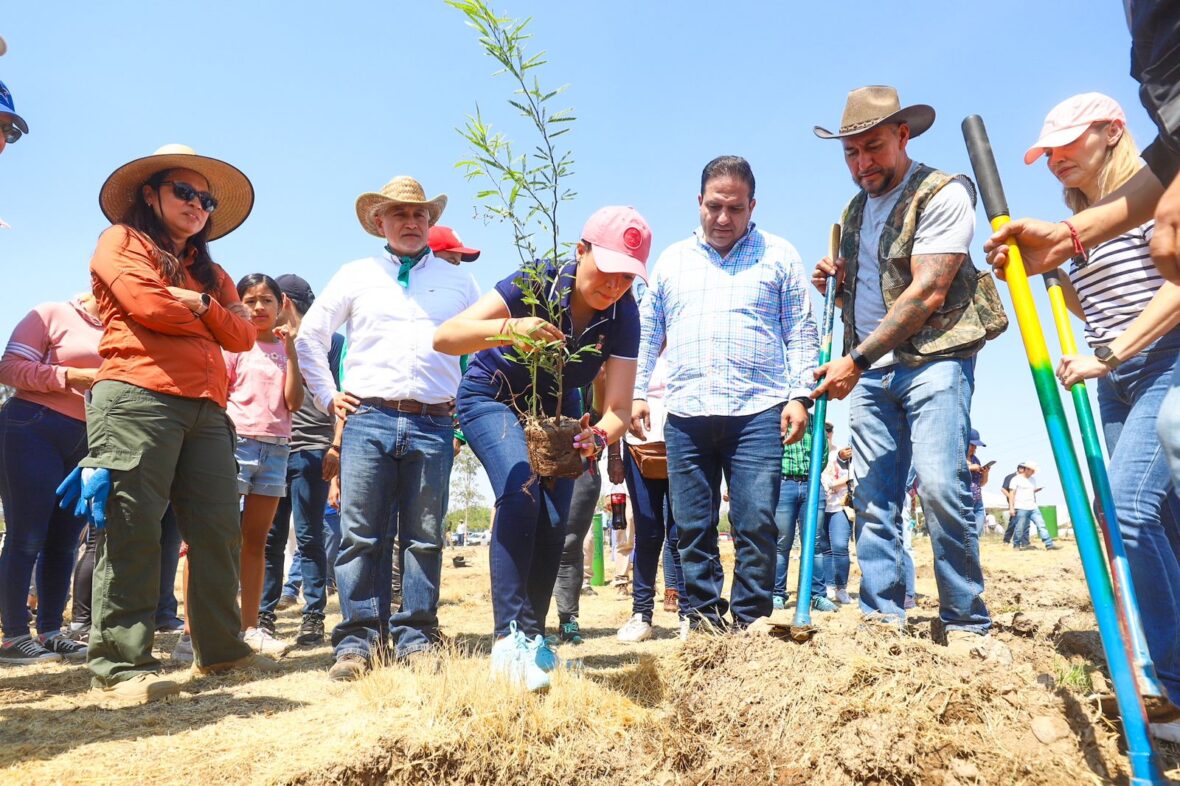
(390, 331)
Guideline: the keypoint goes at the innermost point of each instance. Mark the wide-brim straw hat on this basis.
(869, 107)
(234, 192)
(402, 190)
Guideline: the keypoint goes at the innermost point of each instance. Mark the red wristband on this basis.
(1078, 249)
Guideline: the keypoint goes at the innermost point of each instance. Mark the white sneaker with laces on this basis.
(831, 593)
(842, 596)
(635, 630)
(262, 642)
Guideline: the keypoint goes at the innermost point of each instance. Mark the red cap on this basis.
(621, 240)
(444, 239)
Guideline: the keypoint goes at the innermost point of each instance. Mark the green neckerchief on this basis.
(407, 264)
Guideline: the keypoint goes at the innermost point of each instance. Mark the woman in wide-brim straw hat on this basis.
(1130, 314)
(157, 422)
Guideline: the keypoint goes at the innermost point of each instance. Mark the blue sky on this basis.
(319, 105)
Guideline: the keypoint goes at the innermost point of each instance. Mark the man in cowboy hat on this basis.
(398, 394)
(915, 315)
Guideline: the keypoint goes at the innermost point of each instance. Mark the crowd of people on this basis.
(183, 414)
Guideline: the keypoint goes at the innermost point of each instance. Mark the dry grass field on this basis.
(851, 706)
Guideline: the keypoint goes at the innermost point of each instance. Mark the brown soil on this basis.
(550, 443)
(853, 705)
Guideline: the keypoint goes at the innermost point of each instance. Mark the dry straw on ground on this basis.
(852, 706)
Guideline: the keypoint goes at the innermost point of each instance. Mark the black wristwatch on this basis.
(859, 360)
(205, 302)
(1107, 357)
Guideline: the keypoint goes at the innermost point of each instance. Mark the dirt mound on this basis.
(855, 705)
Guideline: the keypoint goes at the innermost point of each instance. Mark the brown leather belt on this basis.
(411, 407)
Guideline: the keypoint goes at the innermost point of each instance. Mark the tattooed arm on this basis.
(933, 274)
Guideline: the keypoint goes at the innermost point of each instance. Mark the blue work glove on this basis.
(88, 491)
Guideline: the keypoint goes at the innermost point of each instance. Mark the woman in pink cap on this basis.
(1131, 317)
(586, 303)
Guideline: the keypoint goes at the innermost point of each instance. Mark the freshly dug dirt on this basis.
(550, 444)
(854, 705)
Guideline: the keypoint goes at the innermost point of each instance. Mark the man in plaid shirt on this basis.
(732, 307)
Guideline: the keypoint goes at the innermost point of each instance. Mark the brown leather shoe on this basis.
(671, 600)
(140, 689)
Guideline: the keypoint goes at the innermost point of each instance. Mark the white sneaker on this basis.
(831, 593)
(635, 630)
(685, 629)
(265, 644)
(842, 596)
(183, 651)
(1168, 732)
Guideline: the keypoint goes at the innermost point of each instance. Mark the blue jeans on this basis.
(748, 450)
(167, 609)
(530, 515)
(38, 448)
(1023, 519)
(307, 494)
(394, 467)
(980, 519)
(831, 549)
(654, 526)
(1131, 399)
(788, 517)
(899, 414)
(331, 547)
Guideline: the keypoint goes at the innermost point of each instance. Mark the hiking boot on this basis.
(820, 603)
(140, 689)
(312, 630)
(183, 651)
(69, 649)
(842, 596)
(263, 641)
(348, 667)
(266, 622)
(23, 650)
(254, 661)
(671, 600)
(637, 629)
(569, 632)
(285, 602)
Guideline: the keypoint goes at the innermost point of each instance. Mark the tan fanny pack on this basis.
(651, 458)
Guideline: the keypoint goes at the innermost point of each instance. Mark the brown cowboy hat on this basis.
(868, 107)
(235, 194)
(402, 190)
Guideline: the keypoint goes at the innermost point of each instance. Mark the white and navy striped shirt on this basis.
(1116, 284)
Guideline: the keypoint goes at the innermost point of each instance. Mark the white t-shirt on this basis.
(1024, 493)
(946, 226)
(656, 389)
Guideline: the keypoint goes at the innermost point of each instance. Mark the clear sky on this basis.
(318, 103)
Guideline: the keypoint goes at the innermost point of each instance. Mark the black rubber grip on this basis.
(1052, 278)
(987, 176)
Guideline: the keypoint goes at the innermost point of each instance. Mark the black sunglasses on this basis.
(186, 193)
(9, 131)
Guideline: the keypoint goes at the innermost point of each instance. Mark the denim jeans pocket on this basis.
(22, 413)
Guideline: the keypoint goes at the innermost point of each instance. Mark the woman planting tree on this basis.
(586, 309)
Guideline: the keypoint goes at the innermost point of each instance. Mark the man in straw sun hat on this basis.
(909, 359)
(156, 421)
(396, 450)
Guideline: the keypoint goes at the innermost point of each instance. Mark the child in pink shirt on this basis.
(265, 387)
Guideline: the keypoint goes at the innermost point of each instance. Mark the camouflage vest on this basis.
(972, 312)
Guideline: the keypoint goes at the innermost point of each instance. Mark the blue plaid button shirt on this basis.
(740, 334)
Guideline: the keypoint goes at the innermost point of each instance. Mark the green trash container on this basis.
(597, 568)
(1049, 513)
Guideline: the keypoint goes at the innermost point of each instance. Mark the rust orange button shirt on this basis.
(152, 340)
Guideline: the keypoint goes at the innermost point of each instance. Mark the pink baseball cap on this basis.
(621, 240)
(1069, 119)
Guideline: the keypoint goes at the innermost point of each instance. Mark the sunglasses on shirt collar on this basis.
(186, 193)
